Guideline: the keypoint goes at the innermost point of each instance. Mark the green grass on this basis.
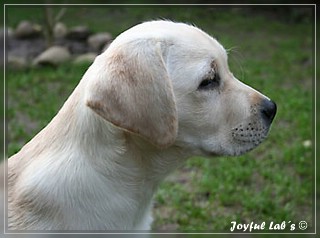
(272, 183)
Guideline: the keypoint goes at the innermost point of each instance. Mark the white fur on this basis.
(136, 115)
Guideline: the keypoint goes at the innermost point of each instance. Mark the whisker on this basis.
(235, 56)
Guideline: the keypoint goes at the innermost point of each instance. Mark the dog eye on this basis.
(210, 83)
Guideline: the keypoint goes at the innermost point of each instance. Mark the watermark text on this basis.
(270, 226)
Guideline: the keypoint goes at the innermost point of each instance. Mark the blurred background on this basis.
(271, 48)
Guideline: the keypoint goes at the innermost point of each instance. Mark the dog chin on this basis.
(234, 148)
(243, 147)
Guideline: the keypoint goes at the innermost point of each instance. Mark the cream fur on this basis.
(136, 115)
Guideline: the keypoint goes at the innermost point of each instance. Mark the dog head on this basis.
(170, 84)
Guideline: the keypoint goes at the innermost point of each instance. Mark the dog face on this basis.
(218, 115)
(170, 83)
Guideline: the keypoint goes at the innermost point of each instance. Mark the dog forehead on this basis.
(159, 29)
(190, 37)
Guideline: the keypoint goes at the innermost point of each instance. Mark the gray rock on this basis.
(87, 58)
(6, 31)
(60, 30)
(105, 47)
(53, 56)
(26, 29)
(97, 41)
(25, 48)
(78, 33)
(10, 32)
(17, 62)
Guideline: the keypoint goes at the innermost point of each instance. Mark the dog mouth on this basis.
(252, 132)
(242, 138)
(247, 136)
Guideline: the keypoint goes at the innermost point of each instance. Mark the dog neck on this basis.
(115, 152)
(80, 160)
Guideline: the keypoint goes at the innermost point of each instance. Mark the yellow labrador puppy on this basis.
(161, 92)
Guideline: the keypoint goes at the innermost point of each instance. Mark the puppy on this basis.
(161, 93)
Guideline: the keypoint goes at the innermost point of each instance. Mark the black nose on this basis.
(268, 110)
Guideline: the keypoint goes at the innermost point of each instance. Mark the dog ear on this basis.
(132, 90)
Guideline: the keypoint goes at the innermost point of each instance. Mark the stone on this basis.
(78, 33)
(87, 58)
(55, 55)
(105, 47)
(26, 29)
(97, 41)
(60, 30)
(16, 62)
(25, 48)
(8, 32)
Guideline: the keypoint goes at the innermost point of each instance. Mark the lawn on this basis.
(271, 51)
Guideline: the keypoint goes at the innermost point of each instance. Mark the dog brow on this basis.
(214, 65)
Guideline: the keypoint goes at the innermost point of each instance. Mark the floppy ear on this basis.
(133, 91)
